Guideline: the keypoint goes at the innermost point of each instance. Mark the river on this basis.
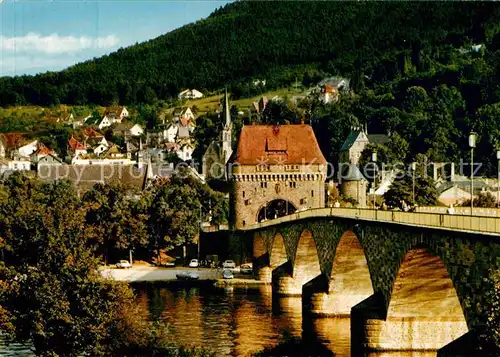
(240, 322)
(244, 321)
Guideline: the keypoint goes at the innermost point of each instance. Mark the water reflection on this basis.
(241, 322)
(246, 321)
(334, 333)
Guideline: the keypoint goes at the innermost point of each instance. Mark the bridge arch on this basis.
(305, 266)
(275, 209)
(424, 309)
(277, 255)
(349, 281)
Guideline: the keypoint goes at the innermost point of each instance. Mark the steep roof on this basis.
(285, 144)
(75, 144)
(115, 110)
(124, 126)
(351, 139)
(43, 150)
(92, 133)
(226, 111)
(14, 140)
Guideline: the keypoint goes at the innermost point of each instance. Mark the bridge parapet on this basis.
(464, 248)
(482, 224)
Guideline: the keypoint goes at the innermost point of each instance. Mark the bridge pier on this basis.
(349, 282)
(305, 268)
(423, 314)
(265, 262)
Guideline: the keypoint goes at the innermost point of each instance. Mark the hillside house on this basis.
(117, 114)
(93, 138)
(100, 148)
(190, 94)
(40, 153)
(16, 144)
(259, 106)
(128, 129)
(330, 88)
(76, 148)
(114, 153)
(76, 122)
(179, 113)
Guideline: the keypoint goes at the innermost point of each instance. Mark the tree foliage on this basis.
(256, 40)
(52, 294)
(178, 208)
(401, 191)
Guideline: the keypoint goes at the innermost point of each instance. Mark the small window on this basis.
(312, 193)
(243, 194)
(244, 223)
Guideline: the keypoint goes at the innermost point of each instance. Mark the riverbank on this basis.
(240, 282)
(146, 273)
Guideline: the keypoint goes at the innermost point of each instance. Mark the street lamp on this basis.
(413, 169)
(472, 145)
(498, 180)
(374, 160)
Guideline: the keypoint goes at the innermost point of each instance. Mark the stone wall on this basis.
(302, 186)
(467, 257)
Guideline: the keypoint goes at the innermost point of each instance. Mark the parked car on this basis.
(227, 274)
(229, 264)
(193, 263)
(123, 264)
(187, 275)
(170, 264)
(246, 269)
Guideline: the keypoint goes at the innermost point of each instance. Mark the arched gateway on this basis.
(274, 163)
(275, 209)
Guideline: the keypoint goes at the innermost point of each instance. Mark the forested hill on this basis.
(263, 39)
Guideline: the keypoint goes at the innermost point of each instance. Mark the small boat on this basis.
(187, 275)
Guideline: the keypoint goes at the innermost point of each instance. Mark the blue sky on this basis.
(41, 35)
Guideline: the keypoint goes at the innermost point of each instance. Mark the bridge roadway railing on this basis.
(488, 225)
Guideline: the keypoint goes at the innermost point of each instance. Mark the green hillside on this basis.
(279, 41)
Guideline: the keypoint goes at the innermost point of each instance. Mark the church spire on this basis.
(226, 112)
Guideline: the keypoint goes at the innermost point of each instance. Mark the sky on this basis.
(48, 35)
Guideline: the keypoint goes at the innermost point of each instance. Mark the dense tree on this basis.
(52, 294)
(179, 206)
(116, 217)
(482, 200)
(402, 191)
(255, 40)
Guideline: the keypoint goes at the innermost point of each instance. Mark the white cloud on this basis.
(55, 44)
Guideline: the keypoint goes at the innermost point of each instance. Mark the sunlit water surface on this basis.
(240, 322)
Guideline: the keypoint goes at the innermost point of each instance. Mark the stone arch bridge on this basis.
(409, 281)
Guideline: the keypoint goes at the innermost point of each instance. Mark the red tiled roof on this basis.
(328, 89)
(13, 140)
(75, 144)
(285, 144)
(43, 150)
(92, 133)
